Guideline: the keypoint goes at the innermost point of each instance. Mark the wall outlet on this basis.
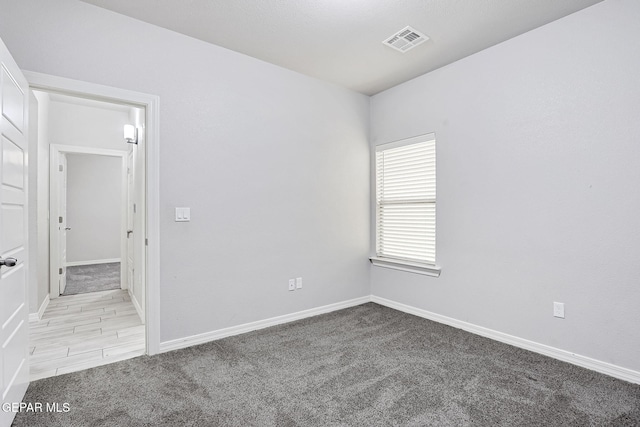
(298, 282)
(292, 284)
(558, 309)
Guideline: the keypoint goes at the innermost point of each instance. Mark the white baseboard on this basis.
(136, 304)
(556, 353)
(260, 324)
(35, 317)
(91, 262)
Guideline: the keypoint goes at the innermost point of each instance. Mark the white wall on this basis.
(32, 194)
(538, 145)
(273, 164)
(87, 126)
(39, 165)
(538, 161)
(94, 206)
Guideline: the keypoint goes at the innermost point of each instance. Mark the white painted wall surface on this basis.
(86, 126)
(273, 164)
(42, 189)
(94, 207)
(32, 214)
(538, 150)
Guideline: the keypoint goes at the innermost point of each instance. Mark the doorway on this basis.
(97, 223)
(148, 155)
(91, 233)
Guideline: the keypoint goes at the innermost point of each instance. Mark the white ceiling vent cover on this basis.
(405, 39)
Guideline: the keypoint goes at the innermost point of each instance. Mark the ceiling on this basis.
(340, 41)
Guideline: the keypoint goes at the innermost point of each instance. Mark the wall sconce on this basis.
(131, 134)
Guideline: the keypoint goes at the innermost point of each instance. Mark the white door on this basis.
(62, 223)
(14, 336)
(130, 213)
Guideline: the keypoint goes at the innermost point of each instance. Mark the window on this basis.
(406, 205)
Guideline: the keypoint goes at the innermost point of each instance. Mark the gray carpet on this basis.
(92, 278)
(363, 366)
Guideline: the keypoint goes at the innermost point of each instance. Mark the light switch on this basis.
(183, 214)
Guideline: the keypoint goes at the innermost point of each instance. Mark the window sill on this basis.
(427, 270)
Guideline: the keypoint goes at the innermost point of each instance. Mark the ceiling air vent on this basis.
(405, 39)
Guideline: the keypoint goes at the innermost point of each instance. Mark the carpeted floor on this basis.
(92, 278)
(363, 366)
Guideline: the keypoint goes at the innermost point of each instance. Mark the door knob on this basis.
(9, 262)
(67, 228)
(129, 233)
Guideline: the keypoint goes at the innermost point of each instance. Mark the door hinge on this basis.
(60, 168)
(59, 220)
(134, 208)
(59, 271)
(146, 242)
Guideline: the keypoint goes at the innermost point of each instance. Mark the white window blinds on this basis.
(406, 200)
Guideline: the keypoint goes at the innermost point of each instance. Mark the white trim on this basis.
(136, 304)
(427, 270)
(92, 261)
(124, 278)
(260, 324)
(43, 306)
(54, 197)
(427, 137)
(35, 317)
(556, 353)
(77, 149)
(151, 104)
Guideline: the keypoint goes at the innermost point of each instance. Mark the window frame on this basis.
(393, 262)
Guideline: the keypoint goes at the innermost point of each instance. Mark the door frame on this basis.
(54, 202)
(151, 104)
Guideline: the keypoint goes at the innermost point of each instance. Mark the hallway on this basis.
(82, 331)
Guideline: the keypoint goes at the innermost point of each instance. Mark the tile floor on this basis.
(82, 331)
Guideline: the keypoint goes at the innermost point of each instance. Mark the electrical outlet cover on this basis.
(299, 282)
(292, 284)
(558, 309)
